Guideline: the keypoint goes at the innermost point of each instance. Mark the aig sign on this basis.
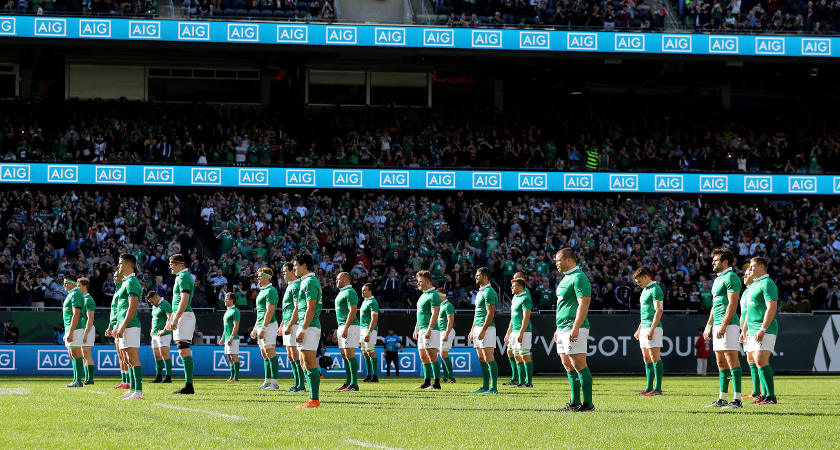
(221, 363)
(802, 184)
(143, 29)
(110, 175)
(676, 43)
(7, 26)
(193, 31)
(389, 36)
(578, 182)
(92, 28)
(533, 181)
(300, 177)
(393, 179)
(537, 40)
(629, 42)
(347, 178)
(758, 184)
(769, 46)
(668, 183)
(51, 27)
(487, 180)
(341, 35)
(714, 183)
(440, 180)
(107, 360)
(237, 32)
(292, 34)
(62, 174)
(254, 177)
(438, 38)
(53, 361)
(814, 46)
(582, 41)
(723, 44)
(7, 360)
(158, 175)
(624, 182)
(15, 173)
(211, 176)
(487, 39)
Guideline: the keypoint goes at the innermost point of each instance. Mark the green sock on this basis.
(189, 364)
(158, 367)
(485, 376)
(529, 375)
(236, 367)
(436, 368)
(374, 366)
(75, 373)
(494, 374)
(574, 385)
(447, 362)
(267, 368)
(766, 375)
(131, 384)
(736, 379)
(586, 384)
(428, 371)
(90, 373)
(231, 369)
(514, 376)
(649, 376)
(79, 369)
(300, 374)
(346, 371)
(87, 373)
(354, 371)
(522, 372)
(658, 371)
(724, 382)
(138, 378)
(168, 364)
(314, 383)
(124, 377)
(295, 375)
(367, 366)
(758, 386)
(274, 365)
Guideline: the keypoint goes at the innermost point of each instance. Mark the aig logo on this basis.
(107, 360)
(292, 34)
(206, 177)
(15, 172)
(253, 177)
(91, 28)
(7, 26)
(624, 182)
(221, 363)
(407, 361)
(535, 40)
(802, 184)
(440, 180)
(389, 36)
(813, 46)
(629, 42)
(487, 38)
(836, 185)
(461, 362)
(143, 29)
(347, 178)
(393, 179)
(582, 41)
(578, 182)
(62, 174)
(341, 35)
(237, 32)
(769, 46)
(53, 361)
(300, 177)
(438, 38)
(675, 43)
(193, 31)
(714, 183)
(487, 180)
(7, 360)
(110, 175)
(758, 184)
(723, 44)
(533, 181)
(50, 27)
(673, 183)
(158, 175)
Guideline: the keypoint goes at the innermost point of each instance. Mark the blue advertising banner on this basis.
(415, 37)
(463, 180)
(210, 360)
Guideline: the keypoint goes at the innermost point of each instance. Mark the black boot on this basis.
(158, 379)
(187, 389)
(168, 379)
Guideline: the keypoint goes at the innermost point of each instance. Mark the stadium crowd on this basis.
(811, 16)
(385, 239)
(563, 139)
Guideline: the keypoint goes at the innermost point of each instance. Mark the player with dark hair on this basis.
(723, 326)
(182, 320)
(74, 326)
(309, 326)
(425, 330)
(160, 336)
(89, 334)
(483, 331)
(649, 333)
(128, 325)
(369, 325)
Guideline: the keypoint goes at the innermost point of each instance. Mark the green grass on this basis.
(392, 415)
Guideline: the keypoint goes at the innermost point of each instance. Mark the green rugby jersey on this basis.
(647, 307)
(762, 290)
(289, 300)
(486, 296)
(521, 303)
(231, 315)
(725, 283)
(75, 299)
(159, 314)
(427, 301)
(183, 283)
(130, 287)
(267, 296)
(573, 286)
(112, 322)
(446, 308)
(90, 305)
(346, 298)
(369, 307)
(310, 289)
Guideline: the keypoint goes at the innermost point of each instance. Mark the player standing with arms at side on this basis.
(649, 333)
(289, 326)
(182, 320)
(762, 326)
(112, 326)
(89, 335)
(446, 327)
(265, 327)
(746, 297)
(514, 366)
(573, 295)
(309, 326)
(74, 326)
(369, 324)
(483, 331)
(723, 326)
(161, 337)
(425, 333)
(230, 338)
(346, 305)
(128, 328)
(518, 334)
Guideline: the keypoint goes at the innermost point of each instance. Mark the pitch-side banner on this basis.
(438, 179)
(348, 35)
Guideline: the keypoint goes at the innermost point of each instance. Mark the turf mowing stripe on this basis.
(15, 391)
(226, 416)
(369, 445)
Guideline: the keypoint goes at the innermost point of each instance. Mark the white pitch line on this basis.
(85, 390)
(213, 413)
(15, 391)
(369, 445)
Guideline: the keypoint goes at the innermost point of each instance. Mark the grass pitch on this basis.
(38, 412)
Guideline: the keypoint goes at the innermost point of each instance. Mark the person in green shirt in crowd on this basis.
(309, 326)
(289, 326)
(519, 335)
(230, 338)
(161, 337)
(762, 327)
(89, 334)
(182, 319)
(483, 331)
(128, 324)
(74, 326)
(649, 333)
(369, 324)
(348, 331)
(446, 327)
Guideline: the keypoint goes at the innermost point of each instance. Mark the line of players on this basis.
(300, 328)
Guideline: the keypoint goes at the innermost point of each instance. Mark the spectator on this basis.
(393, 346)
(11, 332)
